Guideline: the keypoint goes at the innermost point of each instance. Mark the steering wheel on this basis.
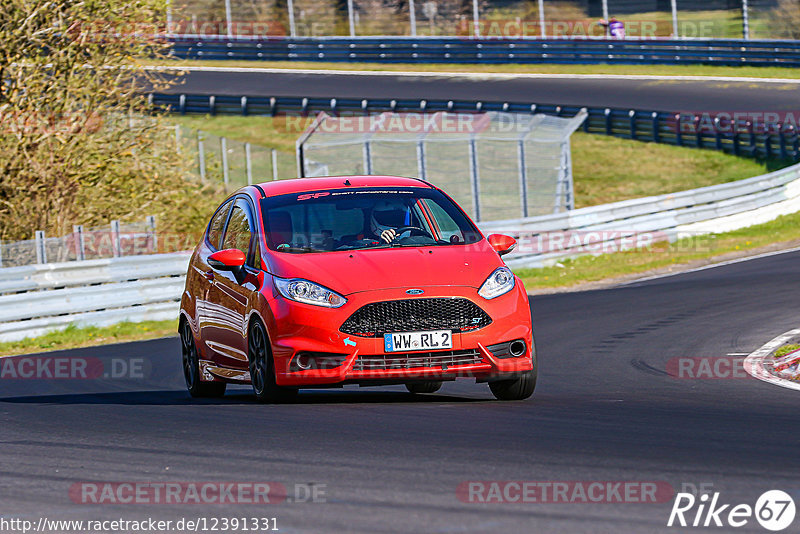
(413, 229)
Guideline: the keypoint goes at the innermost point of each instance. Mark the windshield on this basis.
(364, 218)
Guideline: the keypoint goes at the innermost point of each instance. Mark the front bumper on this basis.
(301, 328)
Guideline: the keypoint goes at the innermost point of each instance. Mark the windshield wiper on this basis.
(287, 248)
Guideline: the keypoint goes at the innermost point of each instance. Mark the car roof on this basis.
(302, 185)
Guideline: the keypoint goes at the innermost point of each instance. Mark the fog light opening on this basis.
(303, 361)
(516, 348)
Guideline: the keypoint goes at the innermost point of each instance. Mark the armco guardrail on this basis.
(742, 138)
(491, 50)
(35, 299)
(719, 208)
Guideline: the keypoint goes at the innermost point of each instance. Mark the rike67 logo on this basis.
(774, 510)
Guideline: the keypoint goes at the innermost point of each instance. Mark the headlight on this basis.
(307, 292)
(500, 282)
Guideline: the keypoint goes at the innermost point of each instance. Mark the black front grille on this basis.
(413, 360)
(454, 314)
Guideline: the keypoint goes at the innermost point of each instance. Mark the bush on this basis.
(73, 146)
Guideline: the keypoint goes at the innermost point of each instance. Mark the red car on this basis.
(368, 280)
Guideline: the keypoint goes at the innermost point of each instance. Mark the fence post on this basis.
(274, 164)
(223, 145)
(1, 254)
(422, 169)
(41, 250)
(115, 241)
(80, 247)
(523, 176)
(248, 163)
(151, 226)
(412, 16)
(367, 158)
(541, 19)
(201, 155)
(674, 6)
(351, 18)
(475, 179)
(169, 17)
(476, 25)
(605, 17)
(228, 17)
(292, 27)
(745, 20)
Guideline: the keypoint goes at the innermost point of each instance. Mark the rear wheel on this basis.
(191, 367)
(423, 387)
(262, 368)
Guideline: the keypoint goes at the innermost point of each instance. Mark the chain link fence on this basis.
(495, 165)
(112, 241)
(684, 19)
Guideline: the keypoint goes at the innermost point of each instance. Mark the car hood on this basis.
(348, 272)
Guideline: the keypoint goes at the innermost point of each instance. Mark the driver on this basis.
(386, 217)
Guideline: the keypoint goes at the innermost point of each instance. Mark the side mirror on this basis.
(230, 259)
(503, 244)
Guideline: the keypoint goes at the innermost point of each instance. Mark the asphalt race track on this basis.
(659, 95)
(605, 410)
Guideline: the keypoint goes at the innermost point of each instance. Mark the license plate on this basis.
(410, 341)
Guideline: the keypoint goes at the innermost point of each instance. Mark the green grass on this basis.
(605, 169)
(571, 272)
(784, 350)
(661, 70)
(73, 337)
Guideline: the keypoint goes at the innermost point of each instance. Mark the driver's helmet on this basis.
(388, 214)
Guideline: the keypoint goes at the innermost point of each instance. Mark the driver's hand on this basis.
(388, 235)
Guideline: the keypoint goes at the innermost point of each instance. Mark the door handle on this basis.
(209, 275)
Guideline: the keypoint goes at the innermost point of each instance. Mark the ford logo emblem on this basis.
(415, 291)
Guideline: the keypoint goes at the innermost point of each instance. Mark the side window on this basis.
(447, 226)
(237, 233)
(216, 225)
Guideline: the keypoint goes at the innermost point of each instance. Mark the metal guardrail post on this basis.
(523, 176)
(476, 24)
(351, 18)
(609, 129)
(412, 18)
(80, 246)
(228, 18)
(632, 118)
(292, 27)
(116, 244)
(248, 164)
(674, 7)
(41, 249)
(656, 131)
(367, 158)
(151, 226)
(274, 155)
(745, 20)
(475, 179)
(678, 131)
(422, 167)
(223, 145)
(542, 22)
(201, 155)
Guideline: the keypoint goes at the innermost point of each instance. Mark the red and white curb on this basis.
(754, 363)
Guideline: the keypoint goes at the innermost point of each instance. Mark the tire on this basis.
(519, 388)
(262, 368)
(423, 387)
(191, 367)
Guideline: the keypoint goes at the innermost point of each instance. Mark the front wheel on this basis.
(519, 388)
(262, 370)
(191, 367)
